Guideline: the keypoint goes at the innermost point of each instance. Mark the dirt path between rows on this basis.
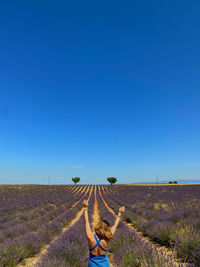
(162, 251)
(30, 262)
(95, 219)
(95, 216)
(86, 189)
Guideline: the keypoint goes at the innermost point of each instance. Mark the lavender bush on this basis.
(169, 215)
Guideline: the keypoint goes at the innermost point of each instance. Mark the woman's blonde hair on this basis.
(103, 229)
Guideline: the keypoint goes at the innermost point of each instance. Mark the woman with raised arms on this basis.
(98, 241)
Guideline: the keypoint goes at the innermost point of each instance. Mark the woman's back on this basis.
(98, 242)
(97, 246)
(98, 256)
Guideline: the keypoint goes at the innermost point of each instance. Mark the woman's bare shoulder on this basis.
(91, 237)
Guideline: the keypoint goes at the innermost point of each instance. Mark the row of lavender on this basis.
(24, 239)
(71, 249)
(22, 198)
(45, 202)
(19, 201)
(129, 249)
(126, 247)
(169, 215)
(16, 223)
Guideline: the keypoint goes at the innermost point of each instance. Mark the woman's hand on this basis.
(121, 210)
(85, 203)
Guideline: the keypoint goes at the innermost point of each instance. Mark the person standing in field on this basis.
(98, 241)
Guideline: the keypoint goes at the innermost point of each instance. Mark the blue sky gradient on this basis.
(97, 89)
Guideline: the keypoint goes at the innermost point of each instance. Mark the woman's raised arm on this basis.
(88, 231)
(114, 227)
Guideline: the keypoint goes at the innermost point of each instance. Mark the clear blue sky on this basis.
(99, 88)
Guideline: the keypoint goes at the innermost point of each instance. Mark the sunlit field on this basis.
(44, 225)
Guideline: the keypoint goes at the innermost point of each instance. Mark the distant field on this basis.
(43, 225)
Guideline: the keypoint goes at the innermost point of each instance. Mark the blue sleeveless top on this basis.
(98, 260)
(98, 244)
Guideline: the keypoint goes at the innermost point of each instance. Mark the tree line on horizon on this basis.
(111, 180)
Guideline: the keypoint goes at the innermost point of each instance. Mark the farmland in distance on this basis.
(43, 225)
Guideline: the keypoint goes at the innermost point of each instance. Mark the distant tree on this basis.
(112, 180)
(76, 180)
(174, 182)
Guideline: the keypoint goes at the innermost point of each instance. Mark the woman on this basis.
(98, 241)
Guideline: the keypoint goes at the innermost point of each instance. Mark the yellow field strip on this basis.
(79, 213)
(30, 262)
(77, 189)
(106, 190)
(86, 190)
(163, 250)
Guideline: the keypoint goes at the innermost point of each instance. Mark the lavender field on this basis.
(43, 225)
